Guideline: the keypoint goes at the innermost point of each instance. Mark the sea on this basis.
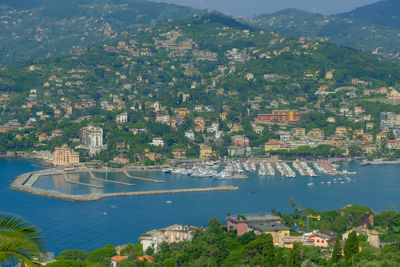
(119, 220)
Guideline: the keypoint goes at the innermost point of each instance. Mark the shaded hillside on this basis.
(35, 29)
(340, 30)
(385, 13)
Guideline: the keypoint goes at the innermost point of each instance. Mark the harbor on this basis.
(80, 222)
(239, 168)
(25, 182)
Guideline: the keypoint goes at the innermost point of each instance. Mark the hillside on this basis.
(36, 29)
(384, 13)
(205, 65)
(350, 32)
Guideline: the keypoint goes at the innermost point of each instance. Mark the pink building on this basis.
(324, 238)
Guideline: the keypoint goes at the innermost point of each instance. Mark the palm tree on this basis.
(20, 242)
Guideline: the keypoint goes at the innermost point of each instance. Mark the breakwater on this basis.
(25, 183)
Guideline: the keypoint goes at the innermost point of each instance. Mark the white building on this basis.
(157, 142)
(189, 135)
(122, 118)
(92, 137)
(172, 234)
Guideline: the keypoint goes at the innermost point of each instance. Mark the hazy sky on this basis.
(251, 7)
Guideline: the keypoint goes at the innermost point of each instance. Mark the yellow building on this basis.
(329, 75)
(278, 231)
(206, 151)
(182, 111)
(299, 131)
(341, 131)
(65, 156)
(316, 133)
(272, 145)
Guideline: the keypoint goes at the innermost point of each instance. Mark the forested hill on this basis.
(36, 29)
(199, 54)
(385, 13)
(346, 30)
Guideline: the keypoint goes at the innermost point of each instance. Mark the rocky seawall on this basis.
(25, 182)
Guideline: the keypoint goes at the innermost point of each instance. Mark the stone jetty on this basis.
(24, 182)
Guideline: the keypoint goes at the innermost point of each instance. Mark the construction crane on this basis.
(308, 220)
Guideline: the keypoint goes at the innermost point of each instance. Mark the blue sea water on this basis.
(118, 220)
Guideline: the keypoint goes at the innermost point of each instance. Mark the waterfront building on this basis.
(92, 137)
(272, 145)
(122, 118)
(206, 152)
(179, 153)
(64, 156)
(172, 234)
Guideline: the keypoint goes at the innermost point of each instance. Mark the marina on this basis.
(78, 224)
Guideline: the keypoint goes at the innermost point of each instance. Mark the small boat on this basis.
(310, 184)
(169, 201)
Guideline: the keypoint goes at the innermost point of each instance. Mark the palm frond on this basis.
(10, 222)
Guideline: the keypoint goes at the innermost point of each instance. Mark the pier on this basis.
(105, 180)
(142, 178)
(79, 183)
(24, 182)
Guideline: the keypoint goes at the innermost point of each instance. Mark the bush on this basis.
(102, 255)
(73, 254)
(69, 263)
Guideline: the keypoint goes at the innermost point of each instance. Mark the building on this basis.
(117, 259)
(278, 231)
(289, 116)
(372, 235)
(172, 234)
(236, 151)
(64, 156)
(179, 153)
(122, 118)
(323, 238)
(92, 137)
(240, 140)
(259, 223)
(272, 145)
(240, 222)
(206, 151)
(341, 131)
(189, 135)
(157, 142)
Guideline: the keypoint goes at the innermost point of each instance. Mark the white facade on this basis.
(122, 118)
(157, 142)
(92, 137)
(189, 135)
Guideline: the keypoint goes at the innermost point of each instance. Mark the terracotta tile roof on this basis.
(118, 258)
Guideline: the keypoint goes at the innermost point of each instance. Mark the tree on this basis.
(20, 242)
(337, 252)
(260, 251)
(73, 254)
(294, 259)
(102, 255)
(351, 245)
